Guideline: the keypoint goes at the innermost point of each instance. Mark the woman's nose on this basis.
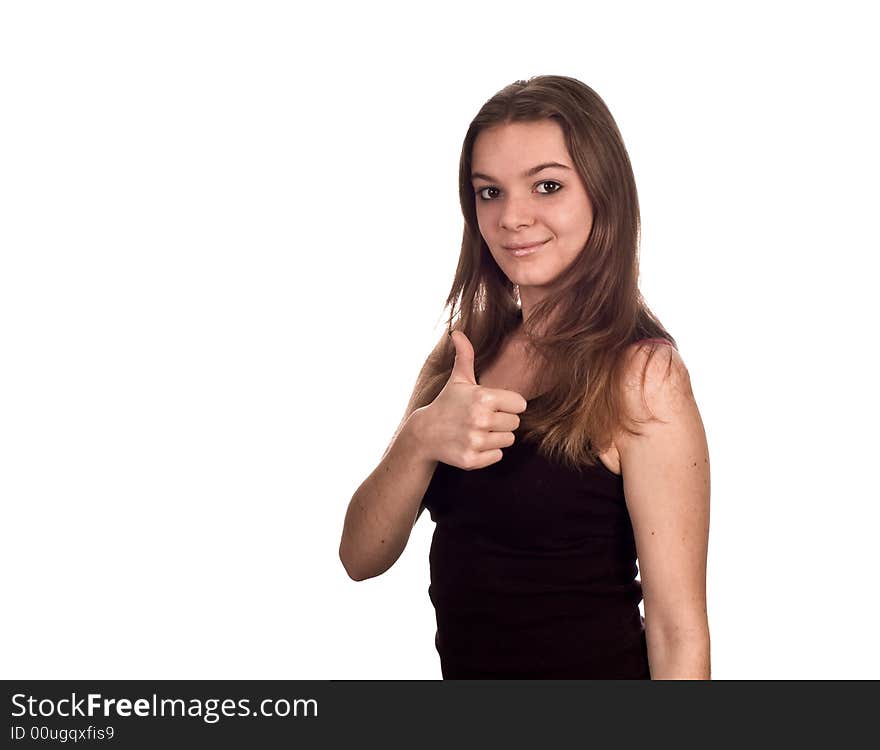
(515, 213)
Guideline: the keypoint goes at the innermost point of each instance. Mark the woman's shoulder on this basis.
(652, 367)
(642, 351)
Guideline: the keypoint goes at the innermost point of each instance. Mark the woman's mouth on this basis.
(526, 250)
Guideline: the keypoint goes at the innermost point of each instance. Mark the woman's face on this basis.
(518, 202)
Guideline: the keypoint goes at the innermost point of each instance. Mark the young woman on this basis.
(520, 434)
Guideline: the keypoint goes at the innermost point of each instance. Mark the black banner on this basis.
(456, 714)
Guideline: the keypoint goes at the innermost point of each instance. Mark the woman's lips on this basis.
(528, 250)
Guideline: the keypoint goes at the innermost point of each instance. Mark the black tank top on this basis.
(533, 568)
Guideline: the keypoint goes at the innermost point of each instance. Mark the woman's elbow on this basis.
(356, 572)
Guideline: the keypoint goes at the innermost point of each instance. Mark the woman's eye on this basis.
(551, 182)
(557, 187)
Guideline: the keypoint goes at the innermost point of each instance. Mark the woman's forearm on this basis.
(383, 510)
(680, 659)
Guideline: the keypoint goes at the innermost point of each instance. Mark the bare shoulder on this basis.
(656, 381)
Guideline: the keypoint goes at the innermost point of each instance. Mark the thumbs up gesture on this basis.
(467, 425)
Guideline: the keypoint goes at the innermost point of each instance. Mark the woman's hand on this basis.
(467, 425)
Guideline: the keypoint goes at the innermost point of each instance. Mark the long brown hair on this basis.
(598, 310)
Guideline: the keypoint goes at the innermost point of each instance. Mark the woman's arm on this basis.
(466, 425)
(384, 509)
(666, 483)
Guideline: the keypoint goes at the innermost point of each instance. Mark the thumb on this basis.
(463, 369)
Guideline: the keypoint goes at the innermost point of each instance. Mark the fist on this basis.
(467, 425)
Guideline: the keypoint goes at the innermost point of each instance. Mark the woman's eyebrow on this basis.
(527, 173)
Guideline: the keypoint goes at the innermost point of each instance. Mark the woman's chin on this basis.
(531, 279)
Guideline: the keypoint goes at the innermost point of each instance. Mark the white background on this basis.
(227, 233)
